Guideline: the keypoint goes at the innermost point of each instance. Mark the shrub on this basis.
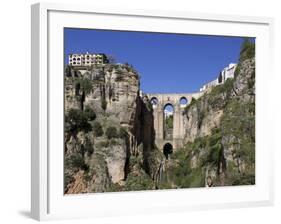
(169, 122)
(140, 182)
(237, 70)
(247, 50)
(113, 142)
(89, 113)
(89, 148)
(103, 144)
(215, 147)
(76, 120)
(201, 115)
(68, 178)
(85, 85)
(111, 132)
(199, 143)
(215, 154)
(123, 133)
(97, 128)
(246, 179)
(75, 161)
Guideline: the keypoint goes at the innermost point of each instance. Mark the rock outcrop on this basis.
(108, 130)
(220, 136)
(109, 133)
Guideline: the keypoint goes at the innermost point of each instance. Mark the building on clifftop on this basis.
(226, 73)
(87, 59)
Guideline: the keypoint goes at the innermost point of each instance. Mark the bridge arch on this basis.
(178, 102)
(183, 101)
(168, 106)
(154, 101)
(167, 149)
(168, 121)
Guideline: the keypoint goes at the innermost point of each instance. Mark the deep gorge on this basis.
(110, 134)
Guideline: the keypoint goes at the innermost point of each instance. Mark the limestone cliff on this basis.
(220, 135)
(109, 140)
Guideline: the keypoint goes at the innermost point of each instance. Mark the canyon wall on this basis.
(109, 134)
(220, 135)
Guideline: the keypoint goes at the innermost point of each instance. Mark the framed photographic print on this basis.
(138, 111)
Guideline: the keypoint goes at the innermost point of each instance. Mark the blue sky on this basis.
(167, 63)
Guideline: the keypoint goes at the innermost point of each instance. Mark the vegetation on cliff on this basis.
(109, 133)
(109, 139)
(226, 154)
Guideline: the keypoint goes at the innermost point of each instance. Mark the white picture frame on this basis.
(48, 201)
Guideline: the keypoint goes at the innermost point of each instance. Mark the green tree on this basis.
(89, 113)
(75, 161)
(76, 121)
(169, 122)
(83, 87)
(97, 128)
(247, 49)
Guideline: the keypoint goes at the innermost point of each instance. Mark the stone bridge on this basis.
(159, 102)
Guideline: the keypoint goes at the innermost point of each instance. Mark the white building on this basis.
(209, 85)
(87, 59)
(226, 73)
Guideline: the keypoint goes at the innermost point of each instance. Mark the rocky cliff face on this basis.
(109, 133)
(205, 114)
(109, 136)
(220, 136)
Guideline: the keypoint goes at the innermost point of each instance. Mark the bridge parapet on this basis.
(172, 98)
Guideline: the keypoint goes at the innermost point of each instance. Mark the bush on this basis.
(123, 133)
(237, 70)
(68, 178)
(215, 147)
(139, 182)
(97, 128)
(169, 122)
(76, 121)
(75, 161)
(89, 113)
(103, 144)
(214, 156)
(111, 132)
(85, 84)
(113, 142)
(201, 115)
(89, 148)
(247, 50)
(199, 143)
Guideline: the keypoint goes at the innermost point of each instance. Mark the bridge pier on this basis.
(159, 102)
